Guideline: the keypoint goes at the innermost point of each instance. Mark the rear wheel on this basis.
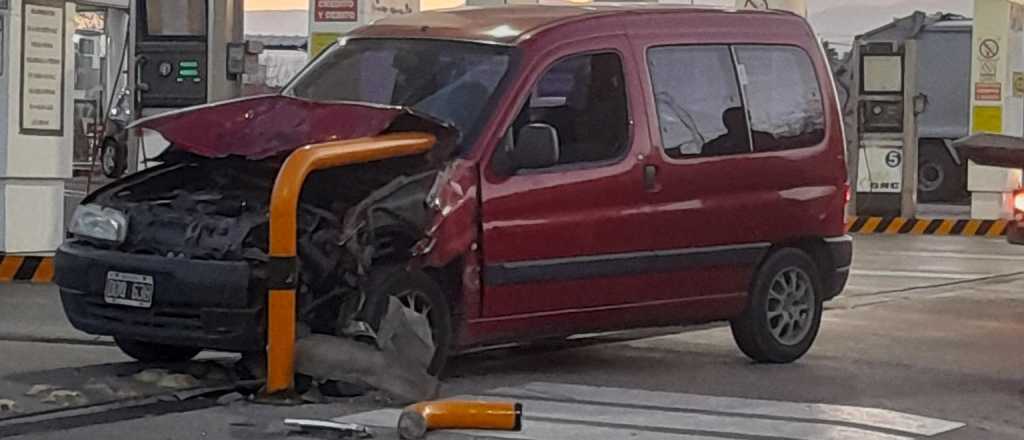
(939, 178)
(783, 310)
(153, 352)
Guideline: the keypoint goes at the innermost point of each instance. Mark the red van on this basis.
(595, 168)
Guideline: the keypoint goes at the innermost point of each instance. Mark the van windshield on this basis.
(448, 80)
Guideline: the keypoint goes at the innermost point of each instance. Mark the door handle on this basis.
(651, 178)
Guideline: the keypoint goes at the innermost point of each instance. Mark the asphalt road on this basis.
(926, 338)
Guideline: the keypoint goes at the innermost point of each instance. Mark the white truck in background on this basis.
(943, 81)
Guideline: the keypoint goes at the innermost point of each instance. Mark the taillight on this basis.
(1018, 202)
(849, 193)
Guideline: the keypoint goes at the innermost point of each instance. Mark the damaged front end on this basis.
(182, 254)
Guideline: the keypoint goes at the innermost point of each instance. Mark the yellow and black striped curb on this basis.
(927, 226)
(23, 268)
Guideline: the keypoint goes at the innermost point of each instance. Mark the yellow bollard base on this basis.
(281, 398)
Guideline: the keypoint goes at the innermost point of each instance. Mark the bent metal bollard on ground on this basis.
(418, 419)
(284, 203)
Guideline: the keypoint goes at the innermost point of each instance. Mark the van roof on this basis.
(507, 25)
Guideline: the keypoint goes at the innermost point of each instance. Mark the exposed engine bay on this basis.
(210, 197)
(200, 208)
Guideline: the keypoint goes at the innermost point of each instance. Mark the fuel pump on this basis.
(887, 106)
(184, 53)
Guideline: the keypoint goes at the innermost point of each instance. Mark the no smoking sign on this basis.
(988, 49)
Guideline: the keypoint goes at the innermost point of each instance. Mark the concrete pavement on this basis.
(930, 327)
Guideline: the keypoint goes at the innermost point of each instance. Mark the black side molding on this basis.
(609, 265)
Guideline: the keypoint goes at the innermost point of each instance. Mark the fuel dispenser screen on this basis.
(176, 17)
(172, 53)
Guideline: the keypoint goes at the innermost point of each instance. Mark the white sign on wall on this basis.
(880, 170)
(42, 68)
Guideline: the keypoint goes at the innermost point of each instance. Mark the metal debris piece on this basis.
(40, 389)
(178, 381)
(349, 429)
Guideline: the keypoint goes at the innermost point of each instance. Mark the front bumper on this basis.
(196, 303)
(841, 251)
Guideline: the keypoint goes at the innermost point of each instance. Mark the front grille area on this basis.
(156, 317)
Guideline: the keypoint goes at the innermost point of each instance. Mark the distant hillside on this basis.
(294, 22)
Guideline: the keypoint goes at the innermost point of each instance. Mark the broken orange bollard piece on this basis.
(284, 204)
(418, 419)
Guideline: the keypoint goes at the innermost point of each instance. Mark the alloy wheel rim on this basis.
(108, 158)
(930, 176)
(790, 306)
(418, 302)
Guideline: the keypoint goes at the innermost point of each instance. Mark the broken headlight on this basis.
(95, 221)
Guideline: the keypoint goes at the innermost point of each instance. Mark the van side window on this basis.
(584, 99)
(700, 111)
(783, 97)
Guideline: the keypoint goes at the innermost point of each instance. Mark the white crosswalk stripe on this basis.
(563, 411)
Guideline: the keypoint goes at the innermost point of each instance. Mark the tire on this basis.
(395, 281)
(753, 330)
(939, 178)
(154, 352)
(113, 158)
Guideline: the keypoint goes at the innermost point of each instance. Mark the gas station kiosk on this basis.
(55, 60)
(997, 99)
(62, 62)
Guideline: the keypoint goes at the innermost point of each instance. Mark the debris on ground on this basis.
(127, 393)
(178, 381)
(40, 389)
(99, 387)
(397, 365)
(150, 375)
(8, 405)
(230, 398)
(65, 398)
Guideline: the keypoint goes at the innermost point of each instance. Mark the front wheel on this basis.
(420, 295)
(154, 352)
(783, 311)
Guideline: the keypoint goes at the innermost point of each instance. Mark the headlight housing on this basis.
(95, 221)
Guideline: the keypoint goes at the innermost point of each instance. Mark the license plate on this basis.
(129, 289)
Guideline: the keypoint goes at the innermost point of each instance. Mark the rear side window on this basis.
(700, 110)
(783, 97)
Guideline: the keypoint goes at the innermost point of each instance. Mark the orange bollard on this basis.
(284, 204)
(418, 419)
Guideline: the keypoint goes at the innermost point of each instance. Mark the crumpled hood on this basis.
(265, 126)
